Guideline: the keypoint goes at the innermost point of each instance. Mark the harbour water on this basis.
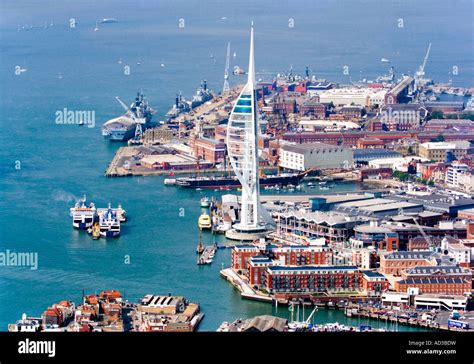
(46, 166)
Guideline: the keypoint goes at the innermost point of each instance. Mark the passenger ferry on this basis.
(83, 214)
(109, 224)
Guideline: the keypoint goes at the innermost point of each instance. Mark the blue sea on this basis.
(45, 167)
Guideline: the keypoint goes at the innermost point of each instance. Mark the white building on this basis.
(312, 125)
(466, 182)
(454, 172)
(363, 96)
(397, 164)
(458, 251)
(300, 157)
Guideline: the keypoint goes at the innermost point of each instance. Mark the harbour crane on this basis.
(420, 73)
(135, 114)
(226, 87)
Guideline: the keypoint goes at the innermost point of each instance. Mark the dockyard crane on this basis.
(137, 120)
(226, 87)
(420, 73)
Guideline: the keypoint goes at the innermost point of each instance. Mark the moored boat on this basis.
(83, 214)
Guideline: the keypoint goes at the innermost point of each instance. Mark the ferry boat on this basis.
(109, 224)
(83, 214)
(233, 182)
(137, 117)
(204, 222)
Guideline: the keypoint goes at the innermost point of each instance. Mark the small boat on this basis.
(109, 20)
(205, 202)
(95, 231)
(204, 222)
(83, 214)
(121, 213)
(169, 181)
(109, 224)
(323, 183)
(384, 60)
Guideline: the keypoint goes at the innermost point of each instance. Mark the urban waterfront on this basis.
(47, 167)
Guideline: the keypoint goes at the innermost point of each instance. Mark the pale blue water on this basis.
(61, 162)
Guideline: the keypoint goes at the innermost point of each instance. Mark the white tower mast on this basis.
(242, 146)
(226, 87)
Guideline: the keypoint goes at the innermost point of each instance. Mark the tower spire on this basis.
(251, 69)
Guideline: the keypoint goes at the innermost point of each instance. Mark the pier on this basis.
(207, 255)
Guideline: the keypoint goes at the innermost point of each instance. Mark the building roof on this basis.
(373, 274)
(431, 281)
(265, 323)
(445, 269)
(402, 255)
(308, 147)
(313, 267)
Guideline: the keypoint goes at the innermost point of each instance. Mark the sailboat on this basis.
(96, 29)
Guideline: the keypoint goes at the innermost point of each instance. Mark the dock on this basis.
(207, 255)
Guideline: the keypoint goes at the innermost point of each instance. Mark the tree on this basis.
(437, 115)
(439, 138)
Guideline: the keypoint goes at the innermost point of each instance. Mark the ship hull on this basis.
(226, 183)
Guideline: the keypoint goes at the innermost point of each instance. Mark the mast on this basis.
(226, 87)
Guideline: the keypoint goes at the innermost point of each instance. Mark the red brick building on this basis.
(449, 286)
(374, 282)
(282, 280)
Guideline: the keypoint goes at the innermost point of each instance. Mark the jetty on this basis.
(207, 255)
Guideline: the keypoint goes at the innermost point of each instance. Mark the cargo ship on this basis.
(232, 182)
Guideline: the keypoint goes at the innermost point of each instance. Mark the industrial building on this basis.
(301, 157)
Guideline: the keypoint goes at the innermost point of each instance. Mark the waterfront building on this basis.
(394, 263)
(166, 314)
(348, 96)
(374, 283)
(242, 146)
(335, 227)
(241, 255)
(374, 173)
(398, 94)
(438, 271)
(445, 286)
(301, 157)
(283, 280)
(208, 149)
(437, 151)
